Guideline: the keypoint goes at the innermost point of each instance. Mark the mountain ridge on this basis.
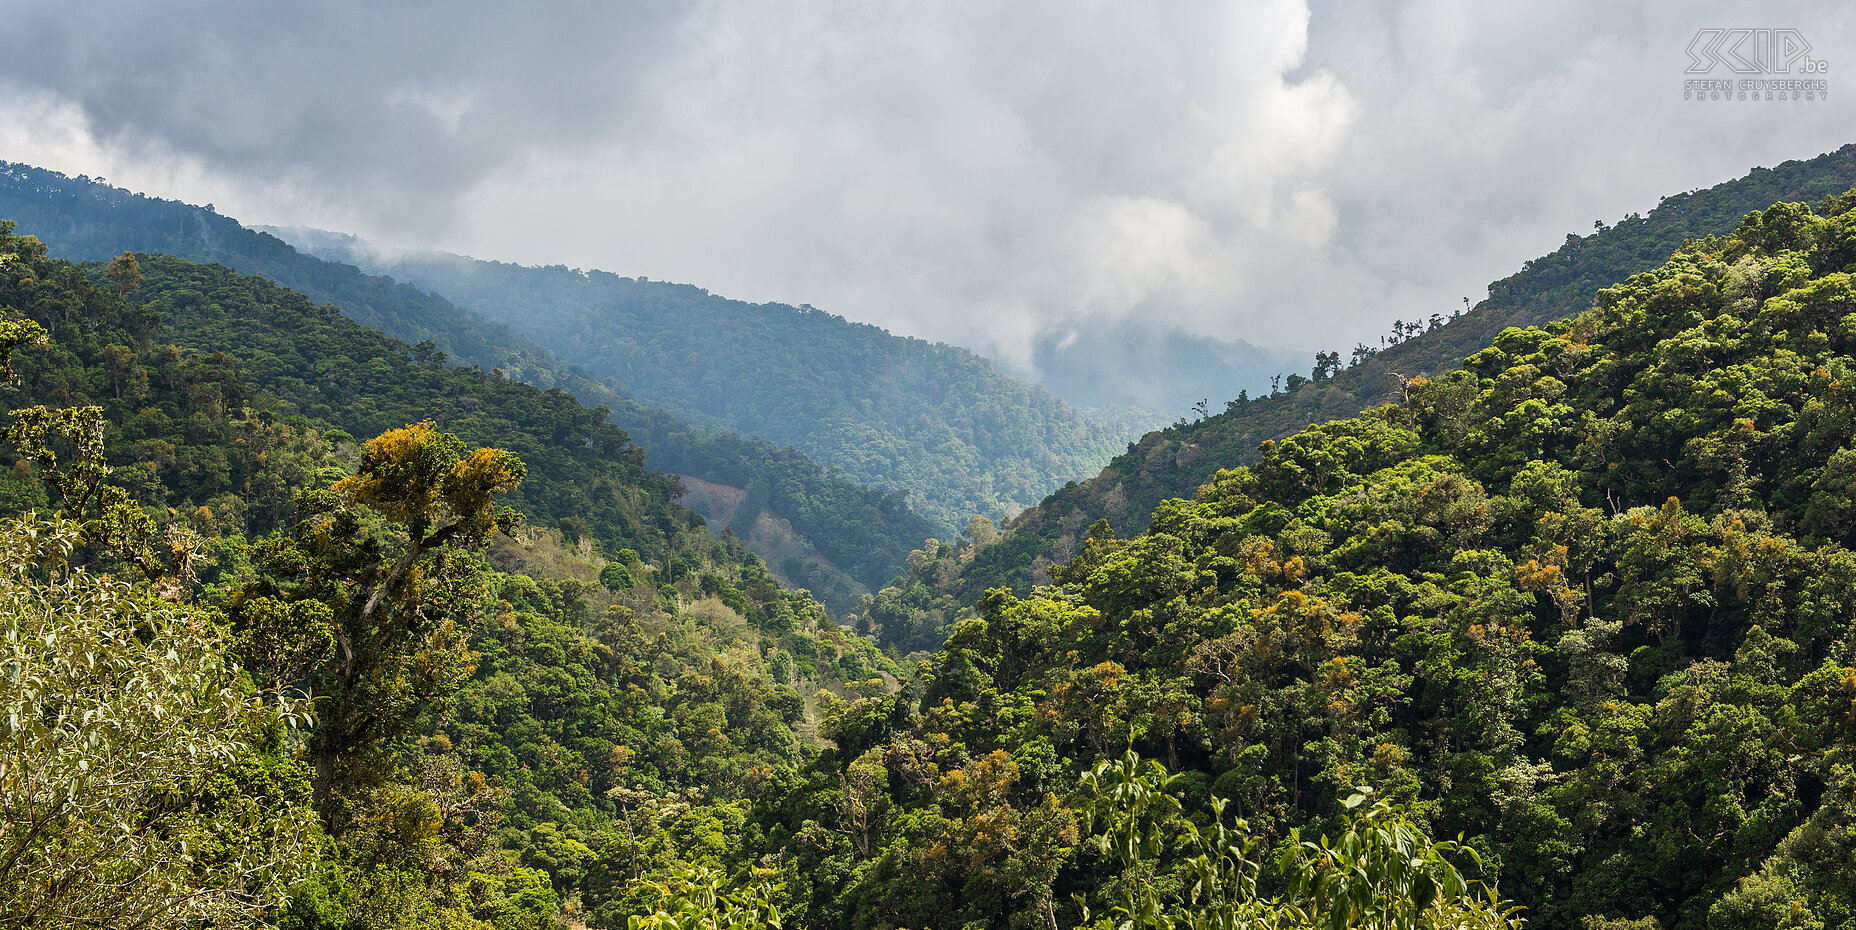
(1175, 461)
(1586, 601)
(851, 525)
(889, 411)
(499, 695)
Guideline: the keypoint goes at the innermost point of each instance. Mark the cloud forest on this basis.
(308, 624)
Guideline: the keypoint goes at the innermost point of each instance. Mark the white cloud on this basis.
(978, 173)
(43, 129)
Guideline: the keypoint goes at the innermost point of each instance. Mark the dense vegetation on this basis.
(1174, 462)
(1587, 601)
(934, 420)
(848, 538)
(489, 697)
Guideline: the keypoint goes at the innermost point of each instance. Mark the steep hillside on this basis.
(1174, 462)
(227, 392)
(476, 726)
(1588, 601)
(838, 522)
(933, 420)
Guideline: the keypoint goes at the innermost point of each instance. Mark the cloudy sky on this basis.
(1293, 174)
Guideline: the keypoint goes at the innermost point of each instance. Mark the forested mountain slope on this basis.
(1175, 461)
(226, 394)
(473, 720)
(512, 726)
(940, 422)
(841, 537)
(1588, 600)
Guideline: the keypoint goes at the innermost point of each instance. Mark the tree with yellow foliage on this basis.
(380, 573)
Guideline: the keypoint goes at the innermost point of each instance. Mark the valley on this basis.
(526, 597)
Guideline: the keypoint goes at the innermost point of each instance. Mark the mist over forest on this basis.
(1261, 466)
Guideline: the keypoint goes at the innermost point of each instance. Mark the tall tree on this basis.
(381, 568)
